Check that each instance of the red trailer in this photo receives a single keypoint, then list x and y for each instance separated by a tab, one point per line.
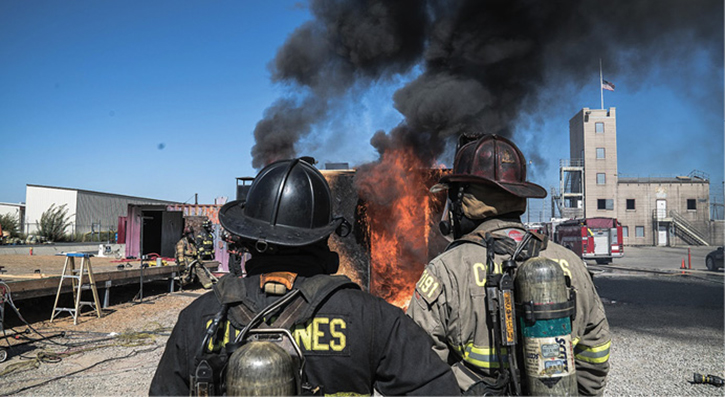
592	238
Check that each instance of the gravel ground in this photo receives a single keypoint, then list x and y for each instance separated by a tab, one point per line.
664	328
112	355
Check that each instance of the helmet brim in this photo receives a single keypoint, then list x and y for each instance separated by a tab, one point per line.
523	189
233	219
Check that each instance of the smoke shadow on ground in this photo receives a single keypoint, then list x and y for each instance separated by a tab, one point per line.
663	306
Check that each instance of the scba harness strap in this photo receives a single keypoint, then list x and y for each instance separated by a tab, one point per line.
529	246
296	307
500	307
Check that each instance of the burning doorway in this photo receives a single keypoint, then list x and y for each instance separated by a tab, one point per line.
395	224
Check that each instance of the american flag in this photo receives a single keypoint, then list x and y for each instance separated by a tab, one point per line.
607	85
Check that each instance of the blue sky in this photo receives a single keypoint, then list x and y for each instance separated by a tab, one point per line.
159	99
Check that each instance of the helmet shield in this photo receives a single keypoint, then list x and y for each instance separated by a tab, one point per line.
493	160
289	204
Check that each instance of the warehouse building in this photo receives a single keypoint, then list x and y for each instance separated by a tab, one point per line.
17	211
87	211
652	210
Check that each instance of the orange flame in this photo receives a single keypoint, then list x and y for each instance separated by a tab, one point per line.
399	207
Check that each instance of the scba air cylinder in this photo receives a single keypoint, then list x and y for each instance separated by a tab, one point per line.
545	309
261	369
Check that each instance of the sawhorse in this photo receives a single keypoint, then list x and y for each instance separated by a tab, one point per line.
69	271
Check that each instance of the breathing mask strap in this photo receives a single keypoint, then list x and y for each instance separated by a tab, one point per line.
458	213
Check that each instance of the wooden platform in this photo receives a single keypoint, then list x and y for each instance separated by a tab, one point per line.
31	285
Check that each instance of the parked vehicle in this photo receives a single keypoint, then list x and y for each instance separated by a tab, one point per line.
714	259
599	239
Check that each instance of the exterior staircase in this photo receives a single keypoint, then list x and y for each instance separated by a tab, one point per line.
686	230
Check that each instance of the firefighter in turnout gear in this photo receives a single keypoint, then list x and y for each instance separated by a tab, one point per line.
185	254
191	268
349	342
205	241
487	192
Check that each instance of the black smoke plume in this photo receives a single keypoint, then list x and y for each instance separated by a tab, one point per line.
484	63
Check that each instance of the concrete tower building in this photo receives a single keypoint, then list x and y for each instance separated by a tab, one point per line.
653	210
593	140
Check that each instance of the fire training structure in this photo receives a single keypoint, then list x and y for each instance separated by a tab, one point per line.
395	220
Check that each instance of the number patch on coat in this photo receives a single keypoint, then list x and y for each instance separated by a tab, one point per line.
428	287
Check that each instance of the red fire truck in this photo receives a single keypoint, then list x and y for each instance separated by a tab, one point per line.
592	238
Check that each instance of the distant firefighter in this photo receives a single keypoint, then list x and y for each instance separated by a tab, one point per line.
205	241
186	253
190	266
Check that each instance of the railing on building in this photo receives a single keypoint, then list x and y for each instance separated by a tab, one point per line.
677	222
699	175
566	163
694	176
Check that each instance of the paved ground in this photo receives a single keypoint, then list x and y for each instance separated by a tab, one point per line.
664	258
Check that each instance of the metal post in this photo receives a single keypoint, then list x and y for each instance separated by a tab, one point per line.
601	82
140	292
107	294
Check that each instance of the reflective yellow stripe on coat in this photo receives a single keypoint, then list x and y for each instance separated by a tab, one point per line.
482	357
596	355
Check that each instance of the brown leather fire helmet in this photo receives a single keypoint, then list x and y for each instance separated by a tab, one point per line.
493	160
488	179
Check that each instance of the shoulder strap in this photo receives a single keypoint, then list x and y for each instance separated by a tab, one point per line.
529	246
313	292
317	289
473	239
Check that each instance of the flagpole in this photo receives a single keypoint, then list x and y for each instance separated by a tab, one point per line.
601	83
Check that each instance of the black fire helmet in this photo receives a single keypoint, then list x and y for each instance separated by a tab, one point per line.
288	204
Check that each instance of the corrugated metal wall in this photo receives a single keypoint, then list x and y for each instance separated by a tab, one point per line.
39	198
87	210
16	211
101	211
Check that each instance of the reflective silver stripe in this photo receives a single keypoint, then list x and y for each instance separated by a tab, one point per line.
483	357
597	355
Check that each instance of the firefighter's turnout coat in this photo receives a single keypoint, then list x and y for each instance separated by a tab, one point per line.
185	253
449	303
352	341
205	244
